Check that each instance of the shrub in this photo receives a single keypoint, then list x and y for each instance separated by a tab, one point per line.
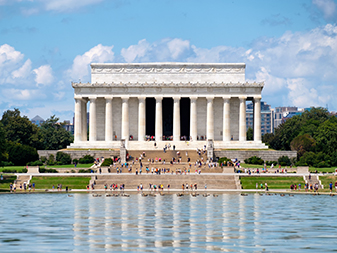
43	170
75	161
8	171
7	164
73	171
86	159
36	163
43	159
51	160
63	158
107	162
284	161
84	171
224	160
254	160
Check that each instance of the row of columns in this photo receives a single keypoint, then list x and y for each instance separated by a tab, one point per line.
80	130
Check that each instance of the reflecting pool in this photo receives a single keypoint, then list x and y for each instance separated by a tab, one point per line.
230	222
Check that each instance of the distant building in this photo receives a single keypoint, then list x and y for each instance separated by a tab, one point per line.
282	112
68	126
37	120
267	116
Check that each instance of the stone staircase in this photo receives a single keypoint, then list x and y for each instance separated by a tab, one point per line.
314	179
215	181
22	179
168	155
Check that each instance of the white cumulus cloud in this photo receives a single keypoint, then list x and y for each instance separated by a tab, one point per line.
44	75
81	64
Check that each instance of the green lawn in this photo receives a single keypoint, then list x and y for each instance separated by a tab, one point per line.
321	170
4	184
273	182
71	182
326	181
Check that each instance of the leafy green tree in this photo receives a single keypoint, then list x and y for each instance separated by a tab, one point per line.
19	129
302	144
250	134
267	138
326	136
21	154
3	146
54	136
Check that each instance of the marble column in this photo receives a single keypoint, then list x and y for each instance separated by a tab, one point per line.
141	119
92	120
257	119
242	121
176	119
226	132
78	120
159	119
108	119
84	121
125	118
210	119
193	119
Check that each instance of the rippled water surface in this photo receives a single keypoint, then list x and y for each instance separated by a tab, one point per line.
229	222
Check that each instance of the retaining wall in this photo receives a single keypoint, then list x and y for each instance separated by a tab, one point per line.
266	155
76	154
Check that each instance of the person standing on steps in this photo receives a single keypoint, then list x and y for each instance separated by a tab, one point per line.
205	187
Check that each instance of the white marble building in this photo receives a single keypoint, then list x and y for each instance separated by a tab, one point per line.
196	101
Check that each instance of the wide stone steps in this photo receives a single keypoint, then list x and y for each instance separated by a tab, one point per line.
168	155
175	181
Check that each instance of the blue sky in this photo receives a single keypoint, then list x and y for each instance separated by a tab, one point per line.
46	44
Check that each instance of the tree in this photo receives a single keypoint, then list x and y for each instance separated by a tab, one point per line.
302	144
54	136
20	129
250	134
326	136
3	146
21	154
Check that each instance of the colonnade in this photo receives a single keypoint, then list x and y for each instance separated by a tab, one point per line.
80	128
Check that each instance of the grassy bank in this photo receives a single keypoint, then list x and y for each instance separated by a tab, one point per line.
273	182
71	182
4	184
326	181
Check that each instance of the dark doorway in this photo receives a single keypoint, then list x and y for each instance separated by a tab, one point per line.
167	117
185	117
150	116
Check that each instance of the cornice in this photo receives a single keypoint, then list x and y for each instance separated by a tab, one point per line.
167	68
164	85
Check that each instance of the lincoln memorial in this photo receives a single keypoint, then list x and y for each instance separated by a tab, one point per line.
149	105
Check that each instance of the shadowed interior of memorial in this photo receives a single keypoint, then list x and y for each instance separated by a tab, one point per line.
185	117
150	116
167	117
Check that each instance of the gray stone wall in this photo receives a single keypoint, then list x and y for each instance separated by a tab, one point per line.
76	154
266	155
